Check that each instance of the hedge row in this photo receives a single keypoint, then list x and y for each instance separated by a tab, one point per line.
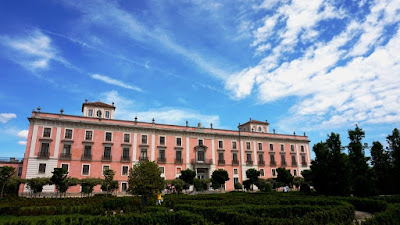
390	216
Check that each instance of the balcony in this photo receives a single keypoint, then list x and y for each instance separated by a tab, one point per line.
304	164
205	162
161	160
249	162
283	163
273	163
235	162
43	155
143	159
178	161
86	157
106	158
294	163
125	158
221	162
261	163
66	156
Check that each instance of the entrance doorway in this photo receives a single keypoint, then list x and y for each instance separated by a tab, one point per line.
202	173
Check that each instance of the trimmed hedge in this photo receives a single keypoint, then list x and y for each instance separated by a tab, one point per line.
390	216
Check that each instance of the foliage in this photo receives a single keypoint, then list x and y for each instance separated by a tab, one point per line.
381	168
36	184
6	172
252	176
238	186
61	180
284	176
109	184
200	184
187	176
297	181
178	184
145	179
264	185
88	185
218	178
393	141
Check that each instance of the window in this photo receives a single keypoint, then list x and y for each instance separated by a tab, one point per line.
67	149
261	158
272	158
65	166
234	145
107	114
107	152
248	157
161	168
89	135
293	160
90	113
259	129
124	186
303	159
162	140
235	171
162	154
262	172
283	160
98	114
260	146
282	148
294	172
47	132
144	139
42	168
45	148
19	171
127	138
200	156
108	136
292	148
273	172
125	153
105	167
220	156
248	145
125	170
178	156
220	144
178	141
178	170
201	142
302	148
235	180
143	154
68	133
271	147
234	157
88	150
85	169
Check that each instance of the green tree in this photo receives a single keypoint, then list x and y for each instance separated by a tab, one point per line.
252	176
88	185
145	180
109	184
393	141
178	184
6	172
380	160
187	176
264	185
218	178
200	184
284	176
60	180
238	186
359	169
36	184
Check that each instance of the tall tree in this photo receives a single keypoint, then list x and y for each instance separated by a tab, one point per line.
381	168
109	184
218	178
6	172
187	176
359	169
320	168
284	176
60	180
88	185
252	176
393	141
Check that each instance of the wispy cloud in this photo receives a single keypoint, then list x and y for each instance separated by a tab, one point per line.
5	117
23	134
115	82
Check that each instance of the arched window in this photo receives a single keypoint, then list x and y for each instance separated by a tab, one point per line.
259	129
98	113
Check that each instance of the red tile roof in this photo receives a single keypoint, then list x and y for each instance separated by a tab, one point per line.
98	104
255	121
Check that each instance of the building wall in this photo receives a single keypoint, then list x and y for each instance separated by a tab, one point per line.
190	136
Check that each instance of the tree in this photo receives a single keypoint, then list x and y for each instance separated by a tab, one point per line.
394	149
145	180
6	172
359	169
252	176
381	168
200	184
36	184
88	185
187	176
109	184
284	176
238	186
60	180
218	178
264	185
178	184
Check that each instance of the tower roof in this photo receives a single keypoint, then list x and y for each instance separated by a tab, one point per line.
98	104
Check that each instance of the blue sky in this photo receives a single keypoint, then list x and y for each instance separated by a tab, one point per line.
305	66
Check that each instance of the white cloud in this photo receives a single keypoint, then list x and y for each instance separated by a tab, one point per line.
23	134
115	82
22	142
128	109
5	117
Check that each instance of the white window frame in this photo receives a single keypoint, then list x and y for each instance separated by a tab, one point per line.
294	149
176	141
105	114
263	173
92	135
123	138
45	168
159	140
51	131
147	139
122	170
69	166
232	144
249	145
176	171
65	132
272	172
273	147
102	168
237	171
258	146
304	149
124	182
280	147
198	141
105	136
86	175
92	112
163	173
222	141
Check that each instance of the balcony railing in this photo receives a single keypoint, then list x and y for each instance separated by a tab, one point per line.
65	156
161	160
143	159
235	162
283	163
273	163
106	158
261	163
294	163
304	163
221	162
44	155
125	158
178	161
86	157
249	162
206	161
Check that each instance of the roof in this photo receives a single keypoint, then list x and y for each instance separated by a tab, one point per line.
255	121
98	104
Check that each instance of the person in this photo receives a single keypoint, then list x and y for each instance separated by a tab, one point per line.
159	199
285	189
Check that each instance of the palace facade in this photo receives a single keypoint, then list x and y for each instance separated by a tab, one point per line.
88	144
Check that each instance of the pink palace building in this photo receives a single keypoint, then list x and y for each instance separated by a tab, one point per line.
88	144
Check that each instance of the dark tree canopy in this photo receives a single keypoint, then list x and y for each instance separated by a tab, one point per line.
187	176
218	178
36	184
381	168
6	172
145	179
109	184
60	180
252	176
88	185
393	141
284	176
